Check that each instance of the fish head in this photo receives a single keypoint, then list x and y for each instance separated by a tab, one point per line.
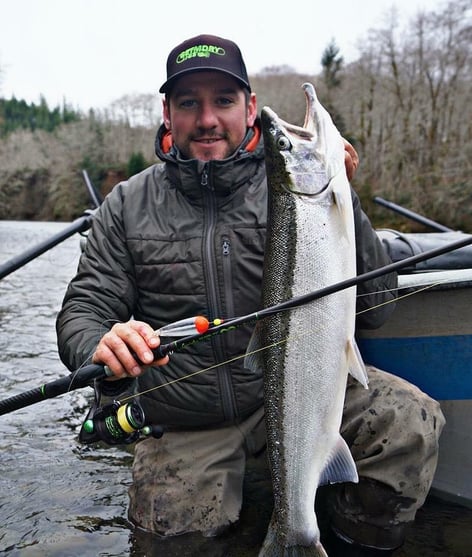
302	159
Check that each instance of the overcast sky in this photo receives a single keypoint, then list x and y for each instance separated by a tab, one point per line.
91	52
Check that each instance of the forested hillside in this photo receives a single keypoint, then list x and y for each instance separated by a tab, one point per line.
405	103
18	114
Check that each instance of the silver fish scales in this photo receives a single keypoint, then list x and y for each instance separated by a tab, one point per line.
311	349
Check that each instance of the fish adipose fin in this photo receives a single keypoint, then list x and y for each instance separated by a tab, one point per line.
340	467
356	364
272	547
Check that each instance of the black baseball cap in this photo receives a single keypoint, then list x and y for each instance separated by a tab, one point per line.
205	52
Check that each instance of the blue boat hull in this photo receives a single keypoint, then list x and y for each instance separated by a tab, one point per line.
428	341
435	364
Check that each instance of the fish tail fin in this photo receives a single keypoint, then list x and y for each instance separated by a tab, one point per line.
356	364
340	466
273	548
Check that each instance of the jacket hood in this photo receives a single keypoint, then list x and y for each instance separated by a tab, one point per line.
220	176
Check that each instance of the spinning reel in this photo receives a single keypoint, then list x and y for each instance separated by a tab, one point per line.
117	424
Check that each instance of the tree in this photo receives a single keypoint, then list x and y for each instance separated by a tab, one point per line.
18	114
332	64
410	97
136	163
136	110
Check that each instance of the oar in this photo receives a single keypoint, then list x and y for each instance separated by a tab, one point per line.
78	225
94	194
412	215
82	377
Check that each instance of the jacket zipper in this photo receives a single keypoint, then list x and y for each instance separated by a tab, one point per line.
224	373
227	276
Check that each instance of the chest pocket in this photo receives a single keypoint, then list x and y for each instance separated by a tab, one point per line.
168	277
244	248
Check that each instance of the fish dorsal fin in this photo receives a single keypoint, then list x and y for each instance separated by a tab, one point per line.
340	466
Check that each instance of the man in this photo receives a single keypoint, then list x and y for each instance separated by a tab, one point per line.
185	238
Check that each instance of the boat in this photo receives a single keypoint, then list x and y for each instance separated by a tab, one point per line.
428	341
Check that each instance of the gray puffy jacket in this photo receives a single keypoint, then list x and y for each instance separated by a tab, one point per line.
180	239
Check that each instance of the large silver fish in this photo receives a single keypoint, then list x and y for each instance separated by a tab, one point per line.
309	350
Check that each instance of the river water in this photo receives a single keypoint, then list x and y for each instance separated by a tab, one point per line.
58	498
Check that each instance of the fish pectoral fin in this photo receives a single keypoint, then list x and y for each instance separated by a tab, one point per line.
341	204
340	466
356	364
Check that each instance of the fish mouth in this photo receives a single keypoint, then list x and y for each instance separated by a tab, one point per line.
299	147
305	132
313	154
274	122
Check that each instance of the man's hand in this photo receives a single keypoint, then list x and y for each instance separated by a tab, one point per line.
351	159
117	348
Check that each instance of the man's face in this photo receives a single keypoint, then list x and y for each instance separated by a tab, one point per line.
208	115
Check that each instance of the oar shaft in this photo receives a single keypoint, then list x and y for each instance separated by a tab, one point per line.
95	196
78	225
412	215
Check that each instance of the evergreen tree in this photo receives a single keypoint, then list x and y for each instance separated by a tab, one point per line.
18	114
332	64
136	163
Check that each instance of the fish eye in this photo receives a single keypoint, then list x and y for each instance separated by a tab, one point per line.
283	143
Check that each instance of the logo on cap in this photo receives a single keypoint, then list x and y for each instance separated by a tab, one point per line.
201	50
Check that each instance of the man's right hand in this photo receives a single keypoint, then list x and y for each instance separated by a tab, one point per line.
126	349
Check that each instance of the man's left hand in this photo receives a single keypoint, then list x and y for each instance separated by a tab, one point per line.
351	159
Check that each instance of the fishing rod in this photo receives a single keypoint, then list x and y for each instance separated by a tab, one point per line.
180	344
412	215
84	376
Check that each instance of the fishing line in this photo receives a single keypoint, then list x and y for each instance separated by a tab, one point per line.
101	331
280	342
89	373
416	290
180	344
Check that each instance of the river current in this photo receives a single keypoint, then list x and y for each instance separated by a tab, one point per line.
56	497
59	498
